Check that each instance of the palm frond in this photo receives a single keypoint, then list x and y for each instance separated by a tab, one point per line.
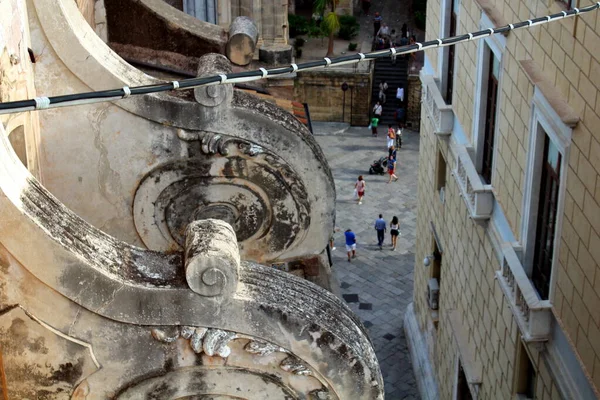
331	22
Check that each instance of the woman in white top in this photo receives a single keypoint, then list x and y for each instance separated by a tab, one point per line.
394	231
360	186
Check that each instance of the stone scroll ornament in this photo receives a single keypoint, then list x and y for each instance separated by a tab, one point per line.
284	376
236	181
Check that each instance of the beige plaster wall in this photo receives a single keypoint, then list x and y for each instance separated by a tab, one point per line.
565	52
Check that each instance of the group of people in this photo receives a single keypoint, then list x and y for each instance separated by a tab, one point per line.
381	227
385	37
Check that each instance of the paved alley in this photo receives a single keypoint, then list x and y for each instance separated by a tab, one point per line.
378	284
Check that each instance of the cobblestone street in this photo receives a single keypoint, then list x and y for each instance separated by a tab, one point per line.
378	284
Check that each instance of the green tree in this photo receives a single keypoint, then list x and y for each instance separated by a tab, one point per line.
331	21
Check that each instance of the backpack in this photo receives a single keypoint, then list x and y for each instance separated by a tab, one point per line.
392	134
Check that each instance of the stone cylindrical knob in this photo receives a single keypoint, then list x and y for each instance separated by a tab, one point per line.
243	35
212	258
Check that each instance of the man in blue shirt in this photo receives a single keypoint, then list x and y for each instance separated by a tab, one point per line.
350	243
380	227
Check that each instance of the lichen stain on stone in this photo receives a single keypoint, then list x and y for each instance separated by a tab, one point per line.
20	341
69	372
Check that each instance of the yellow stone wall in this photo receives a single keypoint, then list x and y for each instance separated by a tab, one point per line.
568	52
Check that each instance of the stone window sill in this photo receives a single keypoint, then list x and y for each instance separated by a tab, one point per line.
494	14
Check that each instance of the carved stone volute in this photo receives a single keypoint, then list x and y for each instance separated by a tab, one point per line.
212	258
214	95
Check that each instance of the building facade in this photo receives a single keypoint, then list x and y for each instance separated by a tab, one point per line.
507	280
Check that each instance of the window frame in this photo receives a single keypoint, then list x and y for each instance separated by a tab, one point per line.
496	44
544	116
448	7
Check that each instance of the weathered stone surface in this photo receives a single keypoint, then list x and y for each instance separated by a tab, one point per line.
40	362
130	310
243	35
133	140
212	258
276	54
156	25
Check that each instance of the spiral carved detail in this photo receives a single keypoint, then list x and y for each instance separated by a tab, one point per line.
242	183
212	258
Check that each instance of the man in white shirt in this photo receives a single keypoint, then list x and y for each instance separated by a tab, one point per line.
378	110
384	31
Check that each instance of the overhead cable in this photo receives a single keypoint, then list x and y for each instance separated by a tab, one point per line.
40	103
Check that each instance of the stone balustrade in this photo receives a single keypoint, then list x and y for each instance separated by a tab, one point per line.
533	315
477	195
437	110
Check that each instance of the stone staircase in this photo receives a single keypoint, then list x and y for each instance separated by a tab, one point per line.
395	75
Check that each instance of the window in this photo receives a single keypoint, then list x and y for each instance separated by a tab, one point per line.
545	183
462	386
441	175
569	4
451	52
546	218
490	117
487	99
525	376
448	28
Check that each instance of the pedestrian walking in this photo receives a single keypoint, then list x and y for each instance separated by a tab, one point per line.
391	136
400	93
400	114
394	231
350	244
380	227
404	30
376	24
383	87
399	137
391	164
332	238
392	152
384	31
360	187
378	110
373	125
